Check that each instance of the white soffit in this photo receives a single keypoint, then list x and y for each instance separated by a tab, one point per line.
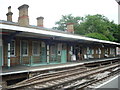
53	33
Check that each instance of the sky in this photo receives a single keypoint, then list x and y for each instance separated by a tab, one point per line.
52	10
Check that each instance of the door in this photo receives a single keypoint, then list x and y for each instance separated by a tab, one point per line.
53	53
25	59
64	56
43	55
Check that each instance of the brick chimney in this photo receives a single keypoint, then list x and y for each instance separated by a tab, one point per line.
70	27
9	14
23	19
40	21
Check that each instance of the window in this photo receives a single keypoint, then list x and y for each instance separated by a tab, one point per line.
112	51
106	50
52	49
59	48
24	48
36	48
92	51
12	48
88	51
98	51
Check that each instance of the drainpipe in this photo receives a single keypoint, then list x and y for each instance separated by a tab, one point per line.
8	54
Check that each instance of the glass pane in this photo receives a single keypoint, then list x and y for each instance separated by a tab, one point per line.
36	48
12	48
24	48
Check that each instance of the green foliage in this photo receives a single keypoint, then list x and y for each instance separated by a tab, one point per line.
94	23
97	36
67	19
117	34
97	24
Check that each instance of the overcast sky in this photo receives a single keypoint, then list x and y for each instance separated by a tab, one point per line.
52	10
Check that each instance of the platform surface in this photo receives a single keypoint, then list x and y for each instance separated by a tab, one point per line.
112	83
23	68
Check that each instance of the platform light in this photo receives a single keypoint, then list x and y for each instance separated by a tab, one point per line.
118	1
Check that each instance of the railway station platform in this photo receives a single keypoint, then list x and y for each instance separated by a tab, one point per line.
110	84
28	69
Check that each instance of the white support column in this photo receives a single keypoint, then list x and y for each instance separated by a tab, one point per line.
73	56
9	55
88	52
117	50
48	47
99	50
71	50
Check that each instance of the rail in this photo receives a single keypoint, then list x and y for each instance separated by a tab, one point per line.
55	79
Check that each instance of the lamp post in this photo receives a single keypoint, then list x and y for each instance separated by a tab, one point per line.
118	1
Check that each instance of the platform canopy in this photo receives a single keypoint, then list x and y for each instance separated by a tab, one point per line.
55	35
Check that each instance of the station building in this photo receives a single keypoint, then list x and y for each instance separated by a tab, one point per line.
24	44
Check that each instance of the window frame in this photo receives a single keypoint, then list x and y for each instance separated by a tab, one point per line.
112	51
14	49
38	48
98	51
92	51
27	48
106	51
88	51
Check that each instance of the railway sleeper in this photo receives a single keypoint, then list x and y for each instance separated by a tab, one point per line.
80	85
59	83
63	82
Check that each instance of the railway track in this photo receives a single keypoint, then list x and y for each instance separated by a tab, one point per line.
59	79
90	82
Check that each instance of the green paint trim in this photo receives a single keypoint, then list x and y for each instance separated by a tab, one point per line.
42	64
63	56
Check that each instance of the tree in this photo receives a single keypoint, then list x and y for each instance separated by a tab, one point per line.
96	25
67	19
97	36
116	34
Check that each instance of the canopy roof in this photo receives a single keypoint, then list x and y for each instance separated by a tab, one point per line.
34	31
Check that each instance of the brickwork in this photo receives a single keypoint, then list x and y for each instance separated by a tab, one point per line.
40	21
9	14
15	60
23	19
70	28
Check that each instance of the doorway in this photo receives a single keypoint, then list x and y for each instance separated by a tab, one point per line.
53	53
78	53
